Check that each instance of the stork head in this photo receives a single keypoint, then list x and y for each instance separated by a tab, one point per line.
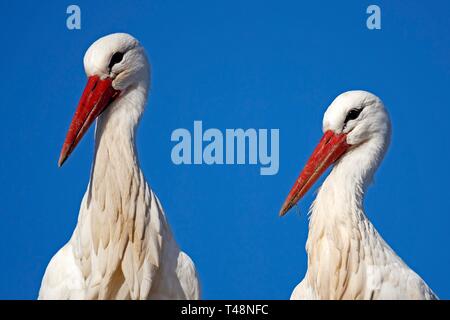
354	119
113	64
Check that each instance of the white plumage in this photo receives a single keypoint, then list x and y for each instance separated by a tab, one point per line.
347	257
122	246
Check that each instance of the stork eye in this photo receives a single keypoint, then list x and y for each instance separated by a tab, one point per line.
352	115
116	58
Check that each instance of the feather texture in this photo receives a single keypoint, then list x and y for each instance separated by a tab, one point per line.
122	246
347	257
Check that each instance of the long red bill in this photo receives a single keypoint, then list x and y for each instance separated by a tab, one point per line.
330	148
97	96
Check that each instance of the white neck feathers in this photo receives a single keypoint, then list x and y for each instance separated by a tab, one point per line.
118	205
339	231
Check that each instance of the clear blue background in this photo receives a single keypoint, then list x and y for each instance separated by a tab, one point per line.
231	64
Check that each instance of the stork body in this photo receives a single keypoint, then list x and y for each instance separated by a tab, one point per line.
347	257
122	246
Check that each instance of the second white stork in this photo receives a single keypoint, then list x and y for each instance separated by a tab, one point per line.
347	257
122	246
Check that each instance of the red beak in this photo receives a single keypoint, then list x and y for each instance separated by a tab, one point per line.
330	148
97	96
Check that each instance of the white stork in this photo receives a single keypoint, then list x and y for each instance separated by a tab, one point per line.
122	246
347	257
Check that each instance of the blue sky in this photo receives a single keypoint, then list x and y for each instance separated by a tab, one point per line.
231	64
